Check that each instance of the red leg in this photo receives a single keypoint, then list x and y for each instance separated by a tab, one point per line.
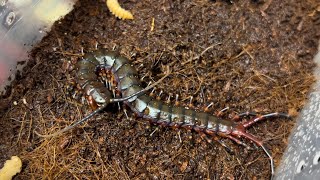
238	141
241	115
215	138
260	118
241	133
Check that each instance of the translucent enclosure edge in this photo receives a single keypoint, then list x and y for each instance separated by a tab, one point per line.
23	23
302	157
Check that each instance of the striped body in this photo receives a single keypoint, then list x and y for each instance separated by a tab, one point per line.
144	106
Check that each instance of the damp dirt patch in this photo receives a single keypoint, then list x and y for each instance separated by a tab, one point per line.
245	55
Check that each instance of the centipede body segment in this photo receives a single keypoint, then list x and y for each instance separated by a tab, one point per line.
156	111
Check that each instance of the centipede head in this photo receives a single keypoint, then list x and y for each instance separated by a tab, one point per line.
97	94
93	104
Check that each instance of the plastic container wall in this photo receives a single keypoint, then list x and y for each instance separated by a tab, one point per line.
302	157
22	24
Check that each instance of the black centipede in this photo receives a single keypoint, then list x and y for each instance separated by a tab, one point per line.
156	111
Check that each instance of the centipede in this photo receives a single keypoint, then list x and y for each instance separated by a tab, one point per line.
154	110
117	10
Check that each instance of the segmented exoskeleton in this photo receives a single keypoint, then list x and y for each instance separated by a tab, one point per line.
117	10
155	110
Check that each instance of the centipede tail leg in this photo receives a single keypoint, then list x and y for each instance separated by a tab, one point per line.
260	118
238	141
260	144
240	131
241	115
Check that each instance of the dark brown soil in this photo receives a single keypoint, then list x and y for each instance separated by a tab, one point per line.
246	55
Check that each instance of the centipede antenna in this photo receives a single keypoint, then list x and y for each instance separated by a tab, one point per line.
102	107
141	91
75	123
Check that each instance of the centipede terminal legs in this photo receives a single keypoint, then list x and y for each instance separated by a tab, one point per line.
241	131
259	118
238	117
100	108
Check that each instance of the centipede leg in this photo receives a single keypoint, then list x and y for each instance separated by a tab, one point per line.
243	126
241	115
238	141
220	113
257	142
227	148
216	139
260	118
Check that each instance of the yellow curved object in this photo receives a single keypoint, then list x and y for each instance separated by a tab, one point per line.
117	10
11	167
